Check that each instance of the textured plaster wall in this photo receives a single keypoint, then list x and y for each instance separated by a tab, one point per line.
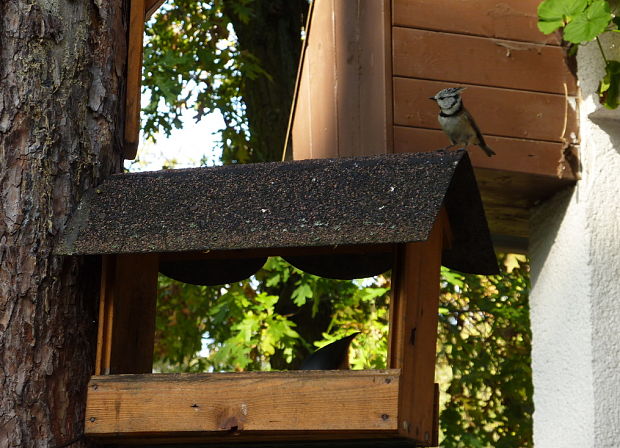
575	300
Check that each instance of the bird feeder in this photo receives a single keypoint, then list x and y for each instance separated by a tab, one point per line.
411	212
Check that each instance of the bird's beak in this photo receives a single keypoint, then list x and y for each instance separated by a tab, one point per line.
432	98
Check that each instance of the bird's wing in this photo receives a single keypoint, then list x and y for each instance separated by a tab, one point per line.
476	130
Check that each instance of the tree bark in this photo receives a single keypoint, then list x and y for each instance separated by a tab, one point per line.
62	66
273	35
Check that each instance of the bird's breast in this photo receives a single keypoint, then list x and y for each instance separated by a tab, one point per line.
458	128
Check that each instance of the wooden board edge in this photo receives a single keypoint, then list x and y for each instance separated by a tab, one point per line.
132	406
134	79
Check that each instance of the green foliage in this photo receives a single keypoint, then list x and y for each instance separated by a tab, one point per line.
240	328
192	61
609	88
484	359
582	21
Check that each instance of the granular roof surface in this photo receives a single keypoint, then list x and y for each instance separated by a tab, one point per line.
392	198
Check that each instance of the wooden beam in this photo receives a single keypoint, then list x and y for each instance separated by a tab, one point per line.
413	332
342	103
134	78
127	314
150	6
302	404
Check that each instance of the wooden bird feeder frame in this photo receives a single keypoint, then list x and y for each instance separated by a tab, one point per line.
419	210
422	210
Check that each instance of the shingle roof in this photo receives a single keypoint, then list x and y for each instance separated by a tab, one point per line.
392	198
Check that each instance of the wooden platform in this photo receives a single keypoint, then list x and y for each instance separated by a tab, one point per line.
229	406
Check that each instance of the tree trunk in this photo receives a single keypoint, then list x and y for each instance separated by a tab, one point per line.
62	66
273	35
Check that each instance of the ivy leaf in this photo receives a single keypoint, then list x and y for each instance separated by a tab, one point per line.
609	88
589	24
553	14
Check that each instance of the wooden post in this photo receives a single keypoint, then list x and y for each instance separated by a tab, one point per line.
127	314
134	78
413	332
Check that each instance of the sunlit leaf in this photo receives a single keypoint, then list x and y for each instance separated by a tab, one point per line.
589	24
553	14
609	87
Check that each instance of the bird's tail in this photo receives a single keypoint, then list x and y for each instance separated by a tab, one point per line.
488	151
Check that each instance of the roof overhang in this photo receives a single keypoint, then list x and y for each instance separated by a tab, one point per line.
384	199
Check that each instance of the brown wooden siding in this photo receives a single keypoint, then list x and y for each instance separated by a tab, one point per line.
480	60
498	112
513	20
518	89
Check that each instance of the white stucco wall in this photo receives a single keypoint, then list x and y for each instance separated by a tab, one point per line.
575	299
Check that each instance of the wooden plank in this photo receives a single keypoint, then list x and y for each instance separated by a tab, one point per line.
150	6
106	314
362	89
127	314
508	19
348	96
301	126
375	82
482	61
134	78
252	403
508	197
343	107
435	435
499	112
513	155
321	57
413	332
518	189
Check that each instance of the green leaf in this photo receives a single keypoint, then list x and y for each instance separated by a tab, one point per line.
301	293
553	14
609	88
589	24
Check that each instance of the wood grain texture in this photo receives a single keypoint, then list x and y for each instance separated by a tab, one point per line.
248	402
508	19
512	154
321	59
413	332
343	103
478	60
301	126
499	112
134	78
127	314
508	198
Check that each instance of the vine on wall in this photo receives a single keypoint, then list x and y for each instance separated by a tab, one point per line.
582	21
